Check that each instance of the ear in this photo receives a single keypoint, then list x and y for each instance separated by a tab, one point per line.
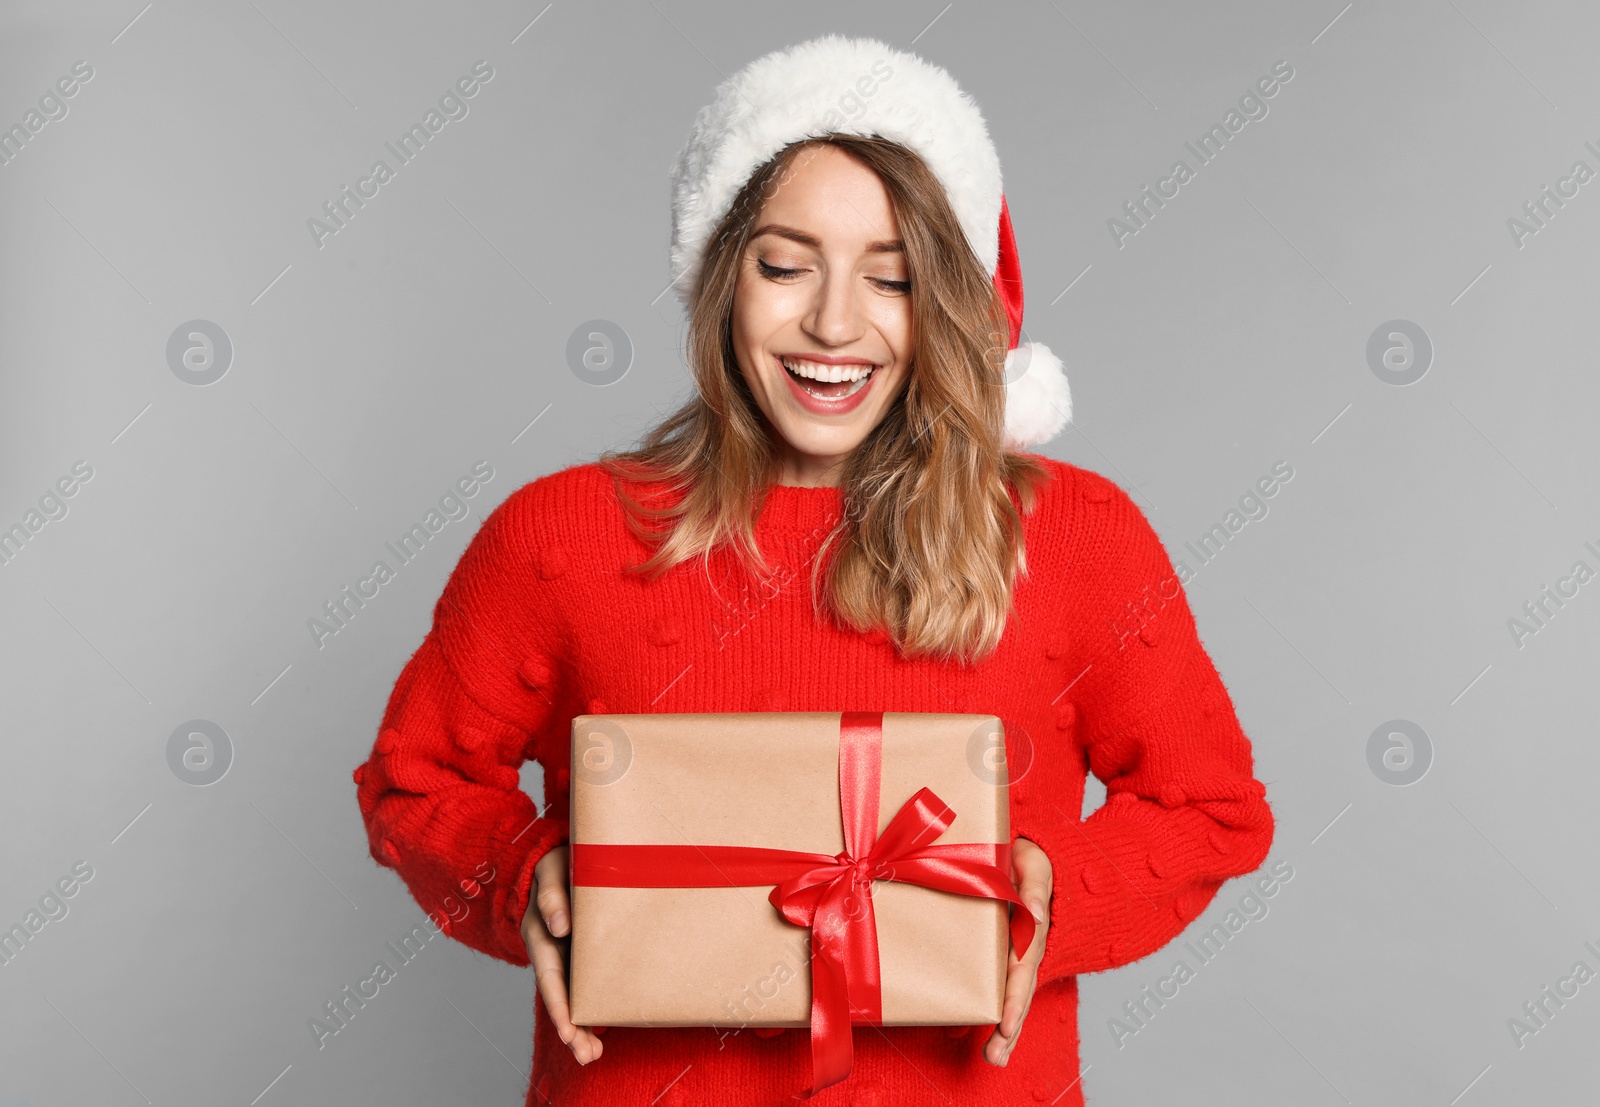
1038	401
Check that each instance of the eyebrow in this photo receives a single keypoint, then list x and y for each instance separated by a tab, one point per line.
886	246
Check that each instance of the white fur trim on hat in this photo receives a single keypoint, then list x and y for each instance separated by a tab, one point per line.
851	85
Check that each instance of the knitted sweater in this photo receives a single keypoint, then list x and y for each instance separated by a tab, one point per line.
1100	669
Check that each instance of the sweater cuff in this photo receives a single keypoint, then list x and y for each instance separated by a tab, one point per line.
535	840
1092	902
1128	879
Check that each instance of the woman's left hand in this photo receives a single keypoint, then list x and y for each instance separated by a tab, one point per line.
1035	881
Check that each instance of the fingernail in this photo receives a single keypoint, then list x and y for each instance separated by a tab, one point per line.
1037	909
558	922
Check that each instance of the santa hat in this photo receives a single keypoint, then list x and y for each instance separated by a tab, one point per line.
864	87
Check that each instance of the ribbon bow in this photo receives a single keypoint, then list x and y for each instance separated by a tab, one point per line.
832	894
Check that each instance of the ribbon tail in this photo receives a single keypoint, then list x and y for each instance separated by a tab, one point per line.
863	973
832	1044
956	868
1023	929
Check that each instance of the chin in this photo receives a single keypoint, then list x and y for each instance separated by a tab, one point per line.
815	441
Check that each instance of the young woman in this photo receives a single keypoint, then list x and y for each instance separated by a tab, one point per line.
841	518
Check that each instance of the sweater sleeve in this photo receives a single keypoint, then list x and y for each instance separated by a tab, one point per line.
1149	714
440	794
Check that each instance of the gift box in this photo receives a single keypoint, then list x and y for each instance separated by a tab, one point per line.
794	869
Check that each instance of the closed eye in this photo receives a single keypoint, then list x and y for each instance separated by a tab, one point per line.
775	272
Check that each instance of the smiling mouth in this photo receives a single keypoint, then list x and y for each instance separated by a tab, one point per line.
829	382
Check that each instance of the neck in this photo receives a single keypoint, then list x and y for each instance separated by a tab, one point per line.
797	470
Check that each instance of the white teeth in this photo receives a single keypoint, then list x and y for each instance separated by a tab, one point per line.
827	373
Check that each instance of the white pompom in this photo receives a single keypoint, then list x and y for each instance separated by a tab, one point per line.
1038	401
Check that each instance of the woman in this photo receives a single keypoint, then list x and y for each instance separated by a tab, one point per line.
839	519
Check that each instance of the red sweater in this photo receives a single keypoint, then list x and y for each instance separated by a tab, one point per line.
1100	669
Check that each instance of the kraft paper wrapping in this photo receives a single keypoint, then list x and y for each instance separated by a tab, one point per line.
727	957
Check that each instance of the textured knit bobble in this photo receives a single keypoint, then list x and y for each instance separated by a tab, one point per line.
535	670
666	629
552	562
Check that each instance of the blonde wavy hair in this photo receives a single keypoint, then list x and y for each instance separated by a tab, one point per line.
929	544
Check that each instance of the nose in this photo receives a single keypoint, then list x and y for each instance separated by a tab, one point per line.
835	316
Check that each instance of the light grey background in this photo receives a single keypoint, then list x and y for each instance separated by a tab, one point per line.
430	333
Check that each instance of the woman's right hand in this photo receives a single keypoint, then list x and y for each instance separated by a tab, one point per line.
546	925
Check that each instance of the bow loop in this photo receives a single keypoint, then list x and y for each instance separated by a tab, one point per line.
797	898
920	820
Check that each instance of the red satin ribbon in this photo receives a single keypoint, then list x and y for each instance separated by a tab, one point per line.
832	894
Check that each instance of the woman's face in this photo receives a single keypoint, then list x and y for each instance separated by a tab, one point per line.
822	312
